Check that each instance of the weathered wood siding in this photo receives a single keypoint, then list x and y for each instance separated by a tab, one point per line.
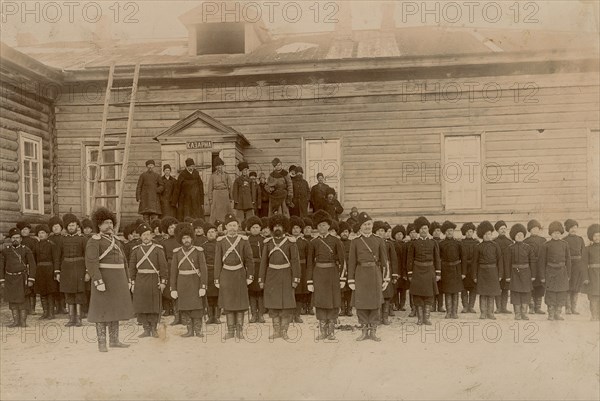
383	127
27	112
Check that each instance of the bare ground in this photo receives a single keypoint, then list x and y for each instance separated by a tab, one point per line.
454	359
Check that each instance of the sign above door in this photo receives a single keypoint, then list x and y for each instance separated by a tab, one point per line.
198	144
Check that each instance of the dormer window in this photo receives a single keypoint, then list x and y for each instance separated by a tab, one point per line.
220	38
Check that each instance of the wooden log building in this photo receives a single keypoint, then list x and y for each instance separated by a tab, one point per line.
455	124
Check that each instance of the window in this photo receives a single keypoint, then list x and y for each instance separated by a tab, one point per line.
323	156
108	172
461	172
32	186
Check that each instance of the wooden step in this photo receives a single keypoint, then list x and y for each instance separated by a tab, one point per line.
109	180
107	196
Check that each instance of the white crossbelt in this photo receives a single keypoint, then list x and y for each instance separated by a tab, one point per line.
283	266
112	265
232	248
236	267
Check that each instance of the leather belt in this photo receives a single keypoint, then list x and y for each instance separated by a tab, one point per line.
75	259
488	266
45	264
423	264
456	262
236	267
556	265
367	264
112	266
187	272
525	266
15	274
146	271
324	265
283	266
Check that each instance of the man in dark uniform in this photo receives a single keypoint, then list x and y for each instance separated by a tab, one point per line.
47	260
412	235
301	194
72	273
244	198
489	269
189	279
576	247
555	263
167	226
56	226
398	234
17	275
212	292
379	228
467	249
279	275
521	263
255	293
422	263
31	243
344	233
435	230
147	193
366	258
591	259
87	228
301	293
234	267
504	242
452	269
324	263
168	184
106	264
318	193
536	241
188	195
148	275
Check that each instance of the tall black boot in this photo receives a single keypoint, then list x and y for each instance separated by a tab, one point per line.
101	333
197	323
448	299
419	313
427	315
217	314
239	325
187	321
113	333
23	313
77	315
32	302
490	308
176	314
385	312
147	329
504	299
297	318
517	309
154	329
454	314
574	296
567	306
285	325
551	312
402	300
211	314
464	298
276	328
373	333
230	317
472	298
413	308
440	303
524	312
44	301
322	330
538	306
557	311
51	301
532	303
253	309
71	321
498	302
483	303
16	318
261	309
331	330
365	333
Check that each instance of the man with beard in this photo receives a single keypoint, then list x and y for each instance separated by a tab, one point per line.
168	184
243	193
280	189
189	279
147	193
110	300
188	195
17	274
280	258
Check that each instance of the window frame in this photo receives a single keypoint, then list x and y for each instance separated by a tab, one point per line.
37	141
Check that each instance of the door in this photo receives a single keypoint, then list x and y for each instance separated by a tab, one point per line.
203	159
324	156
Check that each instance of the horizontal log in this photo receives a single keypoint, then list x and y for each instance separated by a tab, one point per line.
9	196
24	111
9	186
20	118
22	96
8	146
17	126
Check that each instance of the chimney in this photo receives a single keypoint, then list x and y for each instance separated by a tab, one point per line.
388	22
343	26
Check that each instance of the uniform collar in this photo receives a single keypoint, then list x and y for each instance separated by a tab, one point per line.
366	235
323	236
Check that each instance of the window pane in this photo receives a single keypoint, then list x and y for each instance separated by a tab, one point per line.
27	202
35	202
28	149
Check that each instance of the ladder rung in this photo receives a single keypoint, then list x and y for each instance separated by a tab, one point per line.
110	180
116	118
107	196
121	87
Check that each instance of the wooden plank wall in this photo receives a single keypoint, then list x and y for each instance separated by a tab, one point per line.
385	131
27	112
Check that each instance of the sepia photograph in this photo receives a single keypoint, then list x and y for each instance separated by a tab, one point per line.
299	200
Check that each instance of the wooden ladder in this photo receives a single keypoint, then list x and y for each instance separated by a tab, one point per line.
115	140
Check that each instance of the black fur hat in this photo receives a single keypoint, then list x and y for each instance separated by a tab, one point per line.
197	223
87	223
128	230
398	229
209	226
517	228
184	229
483	228
433	226
99	216
155	223
22	224
378	225
499	224
265	222
570	223
593	229
466	227
55	220
533	223
296	221
447	225
279	219
420	222
321	216
69	218
343	226
166	222
41	227
252	220
410	227
556	226
307	221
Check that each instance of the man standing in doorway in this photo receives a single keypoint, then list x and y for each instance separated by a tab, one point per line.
318	193
188	196
147	193
301	194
